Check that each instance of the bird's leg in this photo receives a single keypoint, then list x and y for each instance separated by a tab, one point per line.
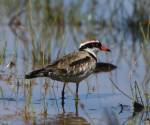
63	90
77	88
76	106
63	95
76	98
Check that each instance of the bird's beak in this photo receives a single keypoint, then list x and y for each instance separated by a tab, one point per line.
103	48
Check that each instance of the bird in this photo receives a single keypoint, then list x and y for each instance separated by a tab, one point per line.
73	67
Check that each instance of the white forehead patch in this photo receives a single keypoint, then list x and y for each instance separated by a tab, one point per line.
91	41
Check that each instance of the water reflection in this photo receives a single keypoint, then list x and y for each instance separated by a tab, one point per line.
45	30
65	119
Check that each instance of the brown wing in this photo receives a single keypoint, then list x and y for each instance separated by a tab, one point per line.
72	63
80	61
65	61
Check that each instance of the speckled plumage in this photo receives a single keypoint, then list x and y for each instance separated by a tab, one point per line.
73	67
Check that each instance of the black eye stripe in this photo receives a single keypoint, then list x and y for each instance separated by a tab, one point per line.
90	45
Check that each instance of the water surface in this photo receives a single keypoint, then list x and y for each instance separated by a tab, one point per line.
33	33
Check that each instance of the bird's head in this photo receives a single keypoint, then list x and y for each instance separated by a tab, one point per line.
93	47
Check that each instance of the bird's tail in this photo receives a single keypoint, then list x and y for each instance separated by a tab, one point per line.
35	73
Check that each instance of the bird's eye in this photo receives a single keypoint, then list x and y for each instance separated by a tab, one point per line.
96	44
93	45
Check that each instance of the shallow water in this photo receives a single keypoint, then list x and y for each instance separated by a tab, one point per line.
42	36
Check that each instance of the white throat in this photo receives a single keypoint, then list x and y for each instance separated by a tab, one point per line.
92	51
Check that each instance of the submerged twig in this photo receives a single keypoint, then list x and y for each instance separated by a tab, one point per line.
137	89
138	107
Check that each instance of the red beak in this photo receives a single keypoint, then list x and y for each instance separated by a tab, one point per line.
103	48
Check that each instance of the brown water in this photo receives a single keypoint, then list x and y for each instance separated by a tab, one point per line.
34	33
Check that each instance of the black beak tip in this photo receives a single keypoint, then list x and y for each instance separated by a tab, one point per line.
109	50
